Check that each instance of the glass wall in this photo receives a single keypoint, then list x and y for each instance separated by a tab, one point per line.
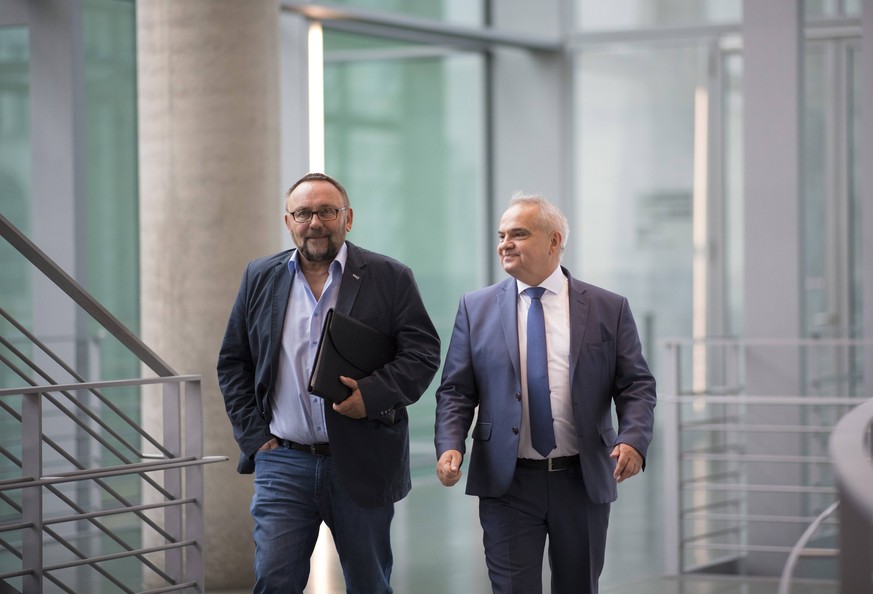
106	231
405	132
634	179
634	225
460	12
660	189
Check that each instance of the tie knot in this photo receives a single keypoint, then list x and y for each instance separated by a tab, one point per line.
535	292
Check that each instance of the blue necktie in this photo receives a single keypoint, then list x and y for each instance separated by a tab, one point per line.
542	433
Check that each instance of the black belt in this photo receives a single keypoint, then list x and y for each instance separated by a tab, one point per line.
319	449
550	464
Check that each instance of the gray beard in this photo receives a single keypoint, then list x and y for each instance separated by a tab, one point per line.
325	255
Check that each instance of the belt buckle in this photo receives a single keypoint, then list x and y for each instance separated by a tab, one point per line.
550	465
312	449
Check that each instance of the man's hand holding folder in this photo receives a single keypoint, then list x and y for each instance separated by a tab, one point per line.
349	348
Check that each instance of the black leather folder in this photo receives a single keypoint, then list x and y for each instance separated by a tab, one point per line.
347	347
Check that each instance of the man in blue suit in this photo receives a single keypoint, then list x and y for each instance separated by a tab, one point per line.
538	471
343	464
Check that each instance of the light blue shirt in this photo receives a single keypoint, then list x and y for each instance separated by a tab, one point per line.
297	414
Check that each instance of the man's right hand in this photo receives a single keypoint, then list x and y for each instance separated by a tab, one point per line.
270	445
449	467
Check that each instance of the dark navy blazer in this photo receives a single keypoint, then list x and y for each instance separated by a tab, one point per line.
371	458
482	369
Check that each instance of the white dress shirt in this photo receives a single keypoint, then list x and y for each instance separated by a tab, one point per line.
556	311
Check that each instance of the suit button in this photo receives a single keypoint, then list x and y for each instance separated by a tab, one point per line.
518	395
515	430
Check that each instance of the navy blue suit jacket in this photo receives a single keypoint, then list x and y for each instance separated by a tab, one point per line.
482	370
371	458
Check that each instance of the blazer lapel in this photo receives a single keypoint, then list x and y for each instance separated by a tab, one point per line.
578	319
281	292
507	305
353	275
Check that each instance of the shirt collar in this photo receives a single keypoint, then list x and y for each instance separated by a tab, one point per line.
552	283
340	260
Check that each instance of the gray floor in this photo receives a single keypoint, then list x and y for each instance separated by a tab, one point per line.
437	549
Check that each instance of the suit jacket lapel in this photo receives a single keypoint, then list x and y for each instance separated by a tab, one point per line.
281	293
578	319
507	297
353	275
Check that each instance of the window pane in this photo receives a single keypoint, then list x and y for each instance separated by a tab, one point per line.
817	223
460	12
817	9
111	182
404	132
15	171
635	142
600	15
856	229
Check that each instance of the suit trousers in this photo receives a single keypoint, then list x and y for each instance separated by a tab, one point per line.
542	504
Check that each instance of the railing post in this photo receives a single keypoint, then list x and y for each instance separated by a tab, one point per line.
31	497
672	462
173	478
193	440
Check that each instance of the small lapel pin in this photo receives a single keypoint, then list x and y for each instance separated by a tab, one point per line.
356	276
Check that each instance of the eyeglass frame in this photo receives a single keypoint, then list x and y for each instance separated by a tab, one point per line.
319	213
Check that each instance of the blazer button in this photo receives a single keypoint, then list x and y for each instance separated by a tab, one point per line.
518	395
515	430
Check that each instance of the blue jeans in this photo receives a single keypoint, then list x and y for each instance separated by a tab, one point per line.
294	493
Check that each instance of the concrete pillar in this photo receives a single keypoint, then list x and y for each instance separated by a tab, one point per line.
209	201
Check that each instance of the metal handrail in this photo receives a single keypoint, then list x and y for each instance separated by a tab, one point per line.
85	300
800	549
713	520
97	475
179	458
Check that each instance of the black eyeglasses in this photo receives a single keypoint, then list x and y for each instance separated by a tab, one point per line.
324	214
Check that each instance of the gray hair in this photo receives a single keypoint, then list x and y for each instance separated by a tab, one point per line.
550	217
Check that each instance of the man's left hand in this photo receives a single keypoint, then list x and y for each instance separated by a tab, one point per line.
629	463
353	406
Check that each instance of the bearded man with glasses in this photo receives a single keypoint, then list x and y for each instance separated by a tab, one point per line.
347	463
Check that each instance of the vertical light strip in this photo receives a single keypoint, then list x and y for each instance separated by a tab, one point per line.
316	97
699	269
700	240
